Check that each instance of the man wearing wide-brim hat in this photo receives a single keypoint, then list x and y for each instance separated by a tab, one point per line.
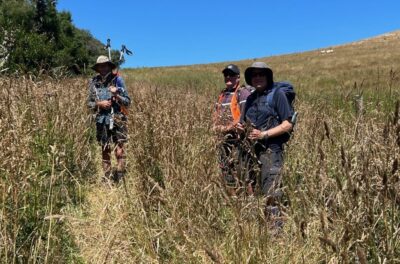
103	62
108	99
270	114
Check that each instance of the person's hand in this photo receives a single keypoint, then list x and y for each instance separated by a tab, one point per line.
104	104
222	128
217	128
228	128
239	128
113	89
257	134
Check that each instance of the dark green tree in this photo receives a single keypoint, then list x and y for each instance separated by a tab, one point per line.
37	37
46	18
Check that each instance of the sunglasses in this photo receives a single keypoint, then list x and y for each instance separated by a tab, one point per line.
230	74
259	74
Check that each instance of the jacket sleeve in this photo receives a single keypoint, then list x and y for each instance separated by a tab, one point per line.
125	99
91	100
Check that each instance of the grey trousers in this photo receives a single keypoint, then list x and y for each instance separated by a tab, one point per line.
270	179
271	184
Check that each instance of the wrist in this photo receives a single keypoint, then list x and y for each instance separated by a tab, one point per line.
117	90
265	135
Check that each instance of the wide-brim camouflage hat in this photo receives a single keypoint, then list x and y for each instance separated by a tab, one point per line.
103	60
260	66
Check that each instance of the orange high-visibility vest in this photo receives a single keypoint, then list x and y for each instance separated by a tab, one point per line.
235	107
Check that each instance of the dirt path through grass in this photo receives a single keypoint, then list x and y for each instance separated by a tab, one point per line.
99	224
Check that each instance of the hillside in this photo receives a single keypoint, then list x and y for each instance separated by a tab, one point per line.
341	175
356	60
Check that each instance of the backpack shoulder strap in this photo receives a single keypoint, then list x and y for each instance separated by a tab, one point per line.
239	91
270	97
95	79
92	86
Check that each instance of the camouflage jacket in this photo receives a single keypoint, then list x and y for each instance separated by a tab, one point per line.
99	91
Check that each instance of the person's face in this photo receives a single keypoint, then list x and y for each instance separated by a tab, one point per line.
259	80
231	79
104	69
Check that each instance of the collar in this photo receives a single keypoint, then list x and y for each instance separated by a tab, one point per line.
231	90
266	91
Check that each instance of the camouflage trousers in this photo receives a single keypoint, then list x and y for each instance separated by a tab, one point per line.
228	154
105	135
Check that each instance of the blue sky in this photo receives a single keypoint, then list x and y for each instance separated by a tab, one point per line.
165	33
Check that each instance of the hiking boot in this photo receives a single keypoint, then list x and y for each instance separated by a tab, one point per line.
274	218
250	189
106	177
117	176
231	191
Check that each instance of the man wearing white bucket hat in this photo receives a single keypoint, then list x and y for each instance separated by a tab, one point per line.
109	99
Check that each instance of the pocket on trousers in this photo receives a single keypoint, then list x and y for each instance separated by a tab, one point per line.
276	159
274	170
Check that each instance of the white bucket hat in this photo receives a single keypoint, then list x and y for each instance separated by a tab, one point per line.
103	60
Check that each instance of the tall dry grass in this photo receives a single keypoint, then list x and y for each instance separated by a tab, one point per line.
44	157
341	183
341	176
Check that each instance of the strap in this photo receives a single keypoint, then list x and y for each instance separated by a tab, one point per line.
116	80
270	97
123	108
270	100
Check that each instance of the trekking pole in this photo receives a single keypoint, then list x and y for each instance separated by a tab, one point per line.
108	47
122	52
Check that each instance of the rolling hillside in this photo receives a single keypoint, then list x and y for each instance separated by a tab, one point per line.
341	176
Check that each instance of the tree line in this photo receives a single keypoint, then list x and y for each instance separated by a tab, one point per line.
35	36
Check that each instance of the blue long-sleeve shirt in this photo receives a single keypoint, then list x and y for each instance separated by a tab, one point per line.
99	91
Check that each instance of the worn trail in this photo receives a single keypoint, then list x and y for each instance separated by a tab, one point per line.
98	226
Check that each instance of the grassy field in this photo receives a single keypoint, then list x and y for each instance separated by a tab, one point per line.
341	176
